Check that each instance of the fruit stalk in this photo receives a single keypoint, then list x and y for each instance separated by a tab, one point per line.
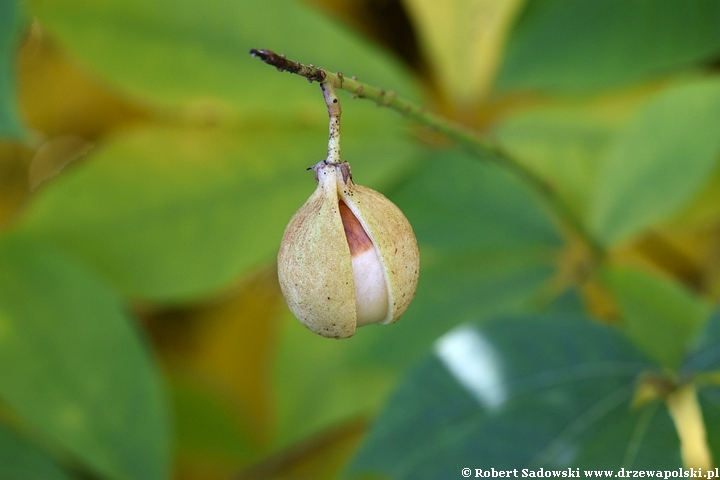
469	139
334	111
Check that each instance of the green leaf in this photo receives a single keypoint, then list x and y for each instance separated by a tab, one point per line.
170	214
20	460
660	316
575	45
485	247
462	202
196	53
565	145
551	393
12	21
704	354
73	366
661	159
569	302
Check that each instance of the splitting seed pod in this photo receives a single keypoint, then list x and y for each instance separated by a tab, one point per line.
348	257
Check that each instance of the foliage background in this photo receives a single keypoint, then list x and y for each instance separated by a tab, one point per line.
148	167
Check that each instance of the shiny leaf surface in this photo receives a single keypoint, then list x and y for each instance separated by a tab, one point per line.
525	393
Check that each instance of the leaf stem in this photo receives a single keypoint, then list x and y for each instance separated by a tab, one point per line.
687	416
469	139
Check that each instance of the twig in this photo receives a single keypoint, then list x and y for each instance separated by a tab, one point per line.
462	135
285	65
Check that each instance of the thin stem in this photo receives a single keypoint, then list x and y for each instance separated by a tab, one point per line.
334	111
462	135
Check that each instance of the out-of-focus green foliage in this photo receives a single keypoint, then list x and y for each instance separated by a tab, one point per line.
185	53
20	460
570	46
565	143
72	364
661	316
660	160
11	23
145	191
201	206
564	403
558	403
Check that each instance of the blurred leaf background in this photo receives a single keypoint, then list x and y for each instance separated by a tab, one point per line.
148	167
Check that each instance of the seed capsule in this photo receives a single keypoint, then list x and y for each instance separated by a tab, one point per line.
348	257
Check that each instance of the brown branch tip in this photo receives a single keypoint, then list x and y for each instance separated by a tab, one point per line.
310	72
